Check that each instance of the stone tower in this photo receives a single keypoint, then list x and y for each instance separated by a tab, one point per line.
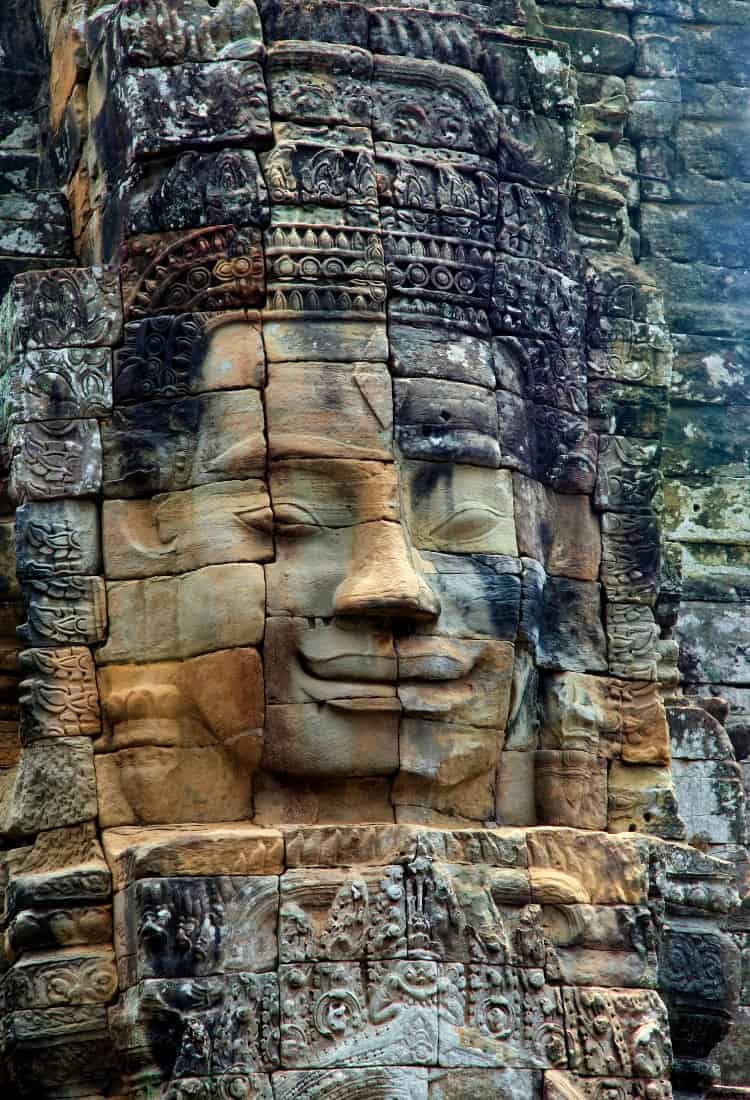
370	618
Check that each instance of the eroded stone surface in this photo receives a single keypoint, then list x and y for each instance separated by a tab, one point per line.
340	540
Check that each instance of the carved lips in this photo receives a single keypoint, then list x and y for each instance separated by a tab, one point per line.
358	681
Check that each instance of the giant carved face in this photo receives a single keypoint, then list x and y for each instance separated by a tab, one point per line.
320	514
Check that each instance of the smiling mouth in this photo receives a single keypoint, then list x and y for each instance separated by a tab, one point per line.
357	682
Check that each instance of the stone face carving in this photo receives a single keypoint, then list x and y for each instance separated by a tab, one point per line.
337	532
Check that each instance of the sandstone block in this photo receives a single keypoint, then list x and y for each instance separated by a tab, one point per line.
163	851
632	637
333	493
524	135
456	680
479	594
424	353
217	607
60	536
297	339
195	190
196	31
53	459
280	799
216	698
700	297
288	19
447	768
336	846
161	446
180	532
67	308
712	638
582	712
639	1014
315	1084
627	475
523	719
166	108
349	410
450	42
642	799
362	996
34	223
544	371
567	867
710	522
159	1000
696	446
630	557
570	788
293	169
342	75
219	268
477	1030
609	945
515	802
421	281
54	786
710	369
569	1086
64	610
328	267
193	927
59	695
190	353
10	587
37	980
457	508
711	800
353	570
598	51
558	530
346	737
529	299
64	863
697	735
546	236
338	914
32	930
154	785
619	408
450	421
320	661
685	236
570	631
631	351
396	77
59	384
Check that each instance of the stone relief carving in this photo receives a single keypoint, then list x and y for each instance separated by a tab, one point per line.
336	530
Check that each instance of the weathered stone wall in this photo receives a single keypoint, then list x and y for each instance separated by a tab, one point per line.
679	74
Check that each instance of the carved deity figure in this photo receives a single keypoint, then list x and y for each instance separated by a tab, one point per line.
337	547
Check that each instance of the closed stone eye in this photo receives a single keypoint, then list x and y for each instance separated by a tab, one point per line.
467	524
294	520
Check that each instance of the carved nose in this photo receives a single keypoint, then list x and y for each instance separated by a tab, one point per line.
382	579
